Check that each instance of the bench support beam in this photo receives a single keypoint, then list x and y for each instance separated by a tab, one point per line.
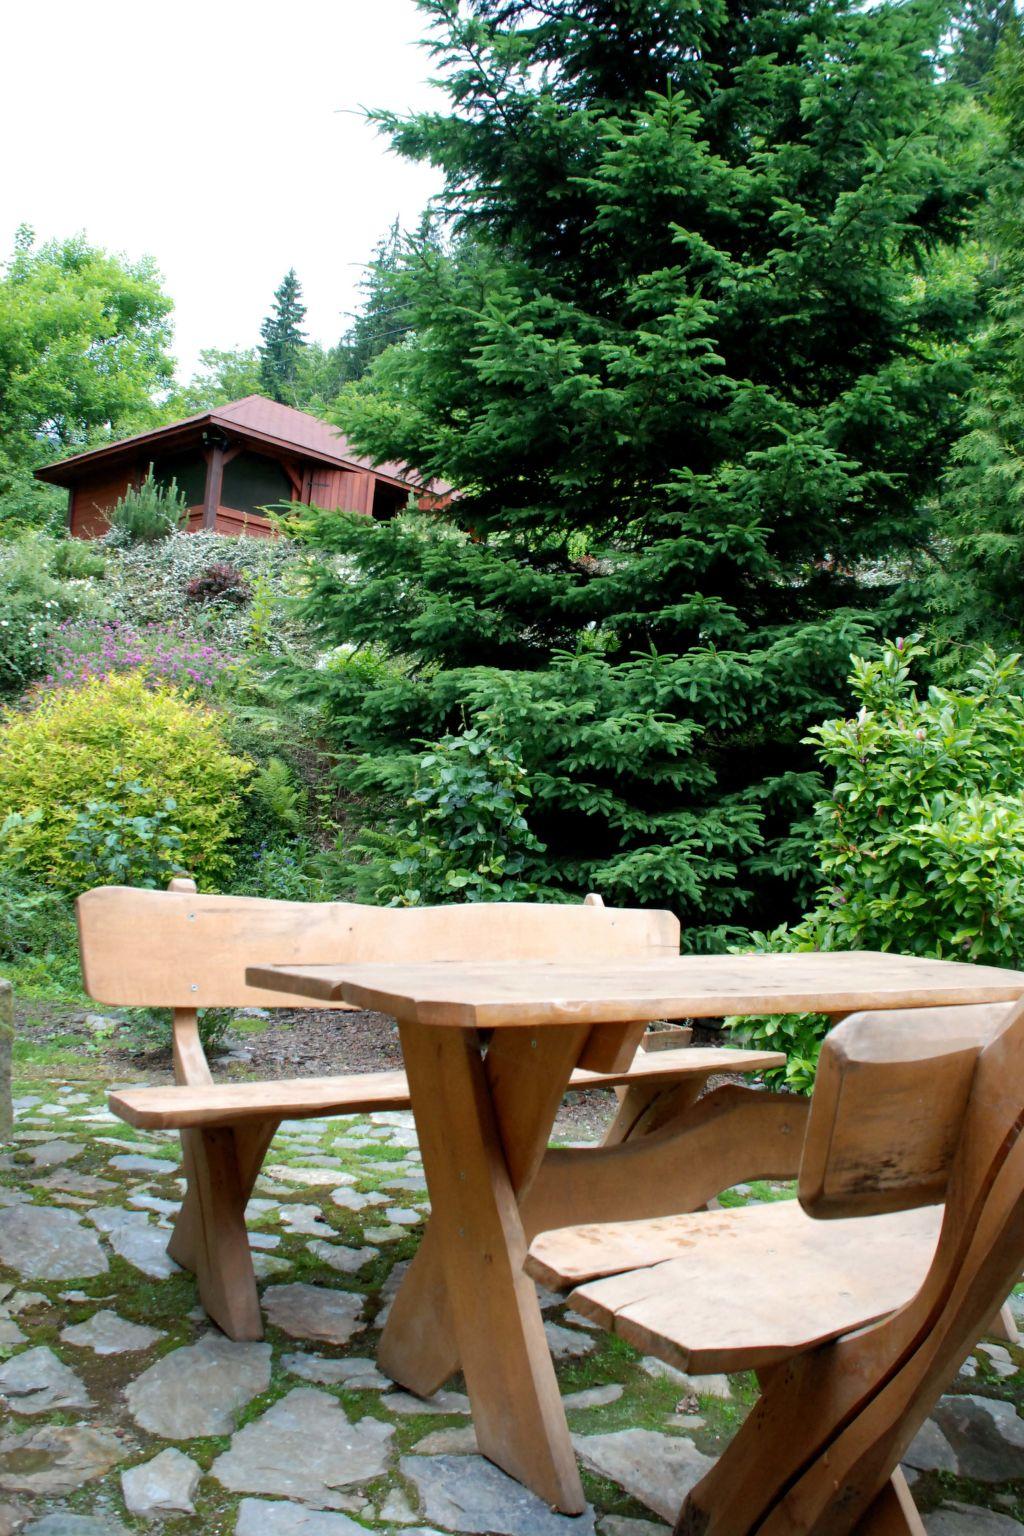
210	1236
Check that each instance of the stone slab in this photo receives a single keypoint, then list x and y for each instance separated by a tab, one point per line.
133	1236
358	1373
164	1485
305	1447
55	1459
36	1381
406	1403
657	1469
43	1243
970	1520
65	1524
273	1517
347	1261
107	1334
467	1493
312	1312
986	1435
197	1390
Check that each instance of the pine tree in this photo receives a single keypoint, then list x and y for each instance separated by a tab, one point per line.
283	339
381	322
690	367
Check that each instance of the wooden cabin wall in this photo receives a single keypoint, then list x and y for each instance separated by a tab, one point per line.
92	501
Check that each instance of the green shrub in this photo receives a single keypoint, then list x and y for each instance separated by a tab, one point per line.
21	900
78	560
290	870
147	512
149	1029
921	840
61	754
127	840
462	835
33	602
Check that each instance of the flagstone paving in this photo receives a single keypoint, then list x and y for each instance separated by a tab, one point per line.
123	1410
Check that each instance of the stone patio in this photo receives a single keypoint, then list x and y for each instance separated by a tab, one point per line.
124	1410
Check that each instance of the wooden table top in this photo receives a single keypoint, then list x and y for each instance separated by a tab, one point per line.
474	995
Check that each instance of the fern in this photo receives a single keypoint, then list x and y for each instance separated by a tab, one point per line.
279	795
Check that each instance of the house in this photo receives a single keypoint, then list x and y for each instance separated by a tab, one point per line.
231	463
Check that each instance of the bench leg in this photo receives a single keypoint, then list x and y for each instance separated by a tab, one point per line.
1004	1326
422	1359
893	1513
646	1107
210	1238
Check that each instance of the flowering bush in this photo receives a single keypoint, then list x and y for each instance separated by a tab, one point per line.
33	601
921	840
58	756
79	651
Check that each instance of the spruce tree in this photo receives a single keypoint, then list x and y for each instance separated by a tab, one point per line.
983	503
283	339
689	366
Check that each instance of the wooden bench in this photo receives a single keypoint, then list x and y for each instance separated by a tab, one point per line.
855	1305
186	951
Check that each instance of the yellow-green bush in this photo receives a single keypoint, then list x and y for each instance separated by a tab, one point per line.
61	754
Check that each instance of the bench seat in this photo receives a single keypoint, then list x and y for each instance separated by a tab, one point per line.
189	1106
738	1289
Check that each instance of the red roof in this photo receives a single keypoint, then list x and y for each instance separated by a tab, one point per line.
255	418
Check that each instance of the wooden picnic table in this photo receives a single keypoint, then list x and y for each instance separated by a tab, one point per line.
484	1121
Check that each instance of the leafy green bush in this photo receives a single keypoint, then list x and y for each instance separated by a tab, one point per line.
125	838
291	870
61	754
147	512
462	836
921	840
20	900
78	560
34	600
149	1029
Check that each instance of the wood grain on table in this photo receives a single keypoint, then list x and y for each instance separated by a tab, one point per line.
524	994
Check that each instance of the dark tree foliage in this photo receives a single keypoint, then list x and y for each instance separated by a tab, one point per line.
979	27
691	368
283	340
984	495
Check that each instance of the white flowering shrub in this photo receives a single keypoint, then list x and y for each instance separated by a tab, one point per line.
34	601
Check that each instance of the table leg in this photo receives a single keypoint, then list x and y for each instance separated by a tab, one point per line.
483	1130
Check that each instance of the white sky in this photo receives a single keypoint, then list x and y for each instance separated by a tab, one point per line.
221	137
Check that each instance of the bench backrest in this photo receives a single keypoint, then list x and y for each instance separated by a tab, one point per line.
888	1109
909	1108
176	949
